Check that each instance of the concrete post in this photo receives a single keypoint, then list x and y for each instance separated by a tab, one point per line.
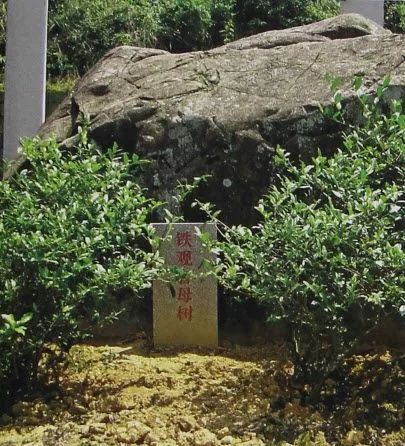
25	73
371	9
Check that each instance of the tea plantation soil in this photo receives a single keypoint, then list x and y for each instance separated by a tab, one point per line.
129	394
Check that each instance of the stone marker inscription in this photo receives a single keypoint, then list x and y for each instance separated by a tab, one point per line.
185	313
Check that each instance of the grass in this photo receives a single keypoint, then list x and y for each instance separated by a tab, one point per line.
60	85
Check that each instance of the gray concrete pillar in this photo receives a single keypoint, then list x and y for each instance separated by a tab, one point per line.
371	9
25	73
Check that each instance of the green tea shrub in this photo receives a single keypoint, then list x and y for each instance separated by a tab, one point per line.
253	16
184	25
74	231
80	32
191	25
317	10
394	16
223	22
328	256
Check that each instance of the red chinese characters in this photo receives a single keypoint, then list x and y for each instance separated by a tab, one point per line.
184	258
185	313
183	239
184	293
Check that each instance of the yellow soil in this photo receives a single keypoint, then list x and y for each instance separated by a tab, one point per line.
117	395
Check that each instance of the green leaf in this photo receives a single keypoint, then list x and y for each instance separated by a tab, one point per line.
337	98
401	121
25	318
386	81
358	83
9	318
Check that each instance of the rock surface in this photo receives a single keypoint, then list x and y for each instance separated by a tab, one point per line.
222	112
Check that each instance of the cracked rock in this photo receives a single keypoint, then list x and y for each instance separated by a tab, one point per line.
222	112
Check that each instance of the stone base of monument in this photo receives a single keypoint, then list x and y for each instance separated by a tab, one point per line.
233	331
129	329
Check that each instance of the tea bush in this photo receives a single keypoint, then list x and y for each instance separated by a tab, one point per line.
253	16
82	31
191	25
73	231
184	25
328	256
394	16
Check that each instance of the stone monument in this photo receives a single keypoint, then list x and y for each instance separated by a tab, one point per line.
185	313
25	72
371	9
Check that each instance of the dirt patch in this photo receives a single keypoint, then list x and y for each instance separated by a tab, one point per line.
129	394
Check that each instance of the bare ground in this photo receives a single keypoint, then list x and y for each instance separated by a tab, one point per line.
130	394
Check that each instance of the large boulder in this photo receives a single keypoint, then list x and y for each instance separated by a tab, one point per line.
223	112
